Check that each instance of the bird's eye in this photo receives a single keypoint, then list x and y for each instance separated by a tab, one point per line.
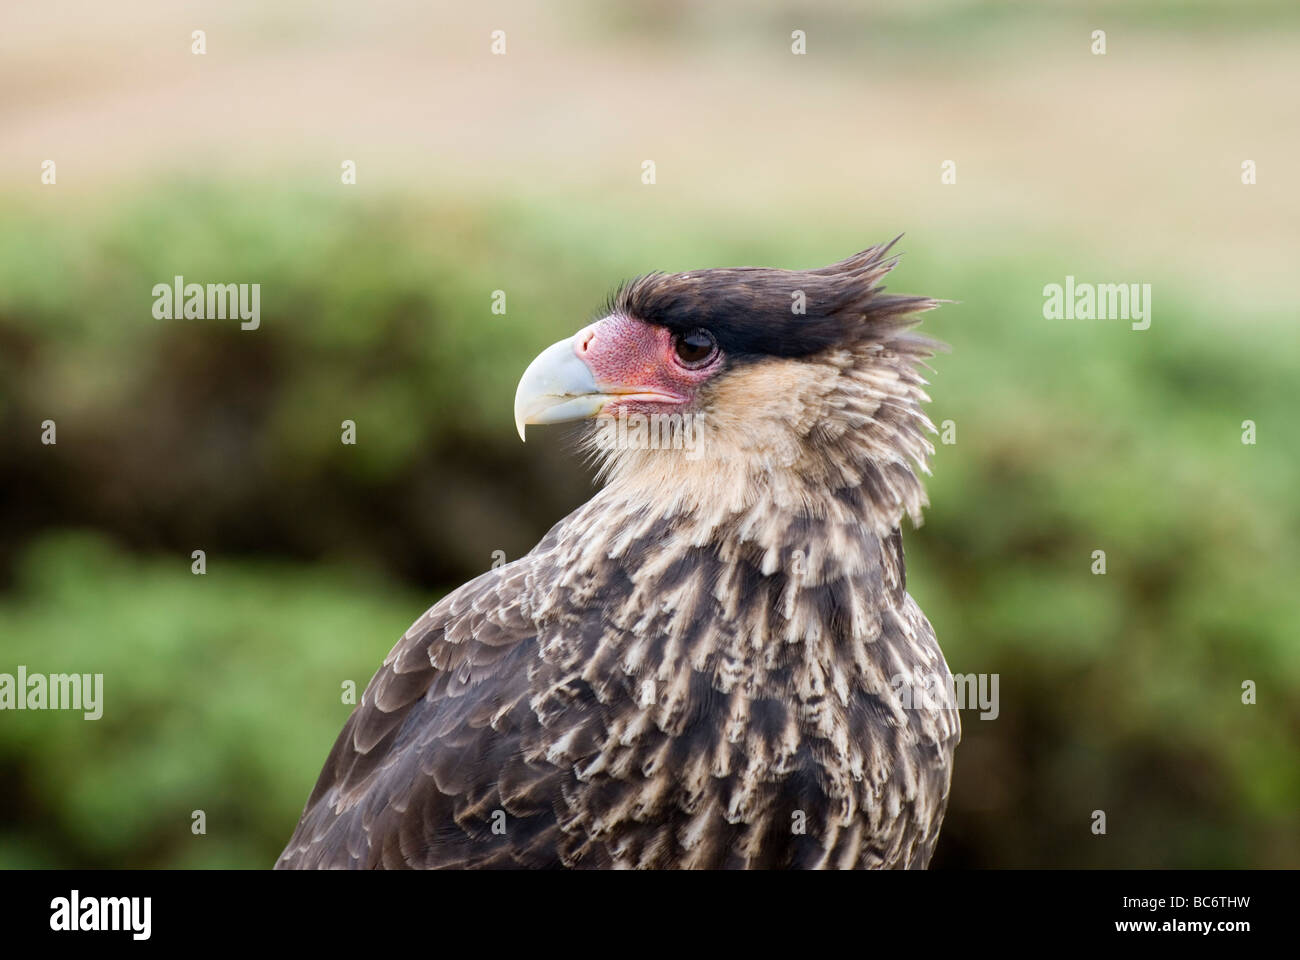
696	348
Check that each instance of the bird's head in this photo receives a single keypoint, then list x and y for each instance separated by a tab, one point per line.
714	389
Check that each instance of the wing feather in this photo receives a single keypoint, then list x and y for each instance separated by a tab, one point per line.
431	759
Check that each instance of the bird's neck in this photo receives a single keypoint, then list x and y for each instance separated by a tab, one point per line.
773	525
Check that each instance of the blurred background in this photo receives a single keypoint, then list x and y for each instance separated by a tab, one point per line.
523	173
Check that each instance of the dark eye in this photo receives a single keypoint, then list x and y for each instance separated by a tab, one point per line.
696	348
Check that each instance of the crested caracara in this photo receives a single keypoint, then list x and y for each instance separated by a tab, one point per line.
714	662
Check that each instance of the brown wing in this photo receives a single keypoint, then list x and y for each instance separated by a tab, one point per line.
432	768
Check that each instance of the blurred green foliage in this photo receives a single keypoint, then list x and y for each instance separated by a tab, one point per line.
219	695
222	693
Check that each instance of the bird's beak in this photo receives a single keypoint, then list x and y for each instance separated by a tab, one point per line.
557	386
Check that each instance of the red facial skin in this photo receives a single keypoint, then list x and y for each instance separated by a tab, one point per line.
640	360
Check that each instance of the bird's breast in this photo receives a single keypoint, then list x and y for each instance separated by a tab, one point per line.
728	698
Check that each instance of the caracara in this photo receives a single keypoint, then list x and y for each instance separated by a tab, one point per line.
713	663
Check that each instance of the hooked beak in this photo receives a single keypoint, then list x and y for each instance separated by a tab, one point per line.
557	386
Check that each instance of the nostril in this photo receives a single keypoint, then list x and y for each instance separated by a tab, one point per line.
589	336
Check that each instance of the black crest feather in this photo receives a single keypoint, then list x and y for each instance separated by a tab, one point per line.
751	310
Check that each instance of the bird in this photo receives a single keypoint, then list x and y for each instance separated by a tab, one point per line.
711	663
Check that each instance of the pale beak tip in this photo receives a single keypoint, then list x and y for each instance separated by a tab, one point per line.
557	386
